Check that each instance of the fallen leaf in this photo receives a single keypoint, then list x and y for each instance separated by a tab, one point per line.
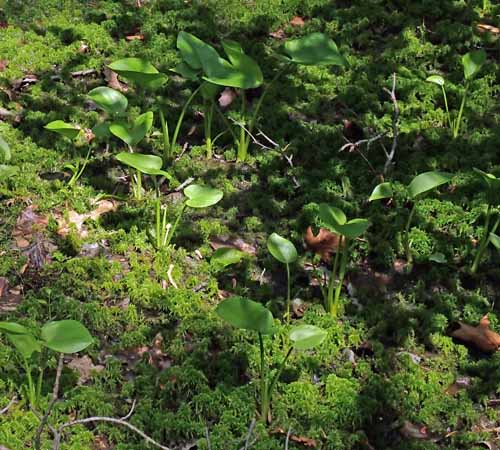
485	28
305	441
135	37
113	82
233	242
297	21
324	244
101	443
226	97
28	223
3	64
278	34
85	367
412	431
157	357
77	220
11	300
481	336
4	285
84	48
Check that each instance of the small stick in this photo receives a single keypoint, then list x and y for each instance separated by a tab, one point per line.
169	275
395	129
184	184
207	435
287	440
55	396
9	405
249	434
184	148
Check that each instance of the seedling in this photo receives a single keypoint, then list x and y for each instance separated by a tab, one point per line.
420	185
336	221
198	196
72	132
493	196
6	171
64	336
249	315
285	252
472	63
150	165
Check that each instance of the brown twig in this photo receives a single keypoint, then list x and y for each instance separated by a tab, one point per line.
55	396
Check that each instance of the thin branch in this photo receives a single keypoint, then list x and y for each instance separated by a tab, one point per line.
287	440
57	440
395	128
248	444
207	436
55	396
132	408
184	184
184	148
9	405
170	278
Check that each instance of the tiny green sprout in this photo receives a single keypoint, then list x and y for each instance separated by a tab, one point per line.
72	132
64	336
285	252
336	221
472	63
249	315
493	197
198	196
420	185
6	171
150	165
226	256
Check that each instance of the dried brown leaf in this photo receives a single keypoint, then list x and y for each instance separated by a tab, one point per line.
28	223
3	64
324	244
135	37
481	336
485	28
297	21
305	441
113	81
278	34
85	367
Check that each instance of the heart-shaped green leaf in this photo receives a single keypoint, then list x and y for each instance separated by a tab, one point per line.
148	164
472	62
282	249
225	256
13	328
305	337
5	154
427	181
331	216
381	191
354	228
25	344
495	240
314	49
109	100
66	336
140	71
202	196
436	79
65	129
247	314
132	136
194	51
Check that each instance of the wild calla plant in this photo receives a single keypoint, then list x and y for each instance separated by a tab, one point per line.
198	196
249	315
489	235
472	63
418	187
285	252
64	336
72	132
336	221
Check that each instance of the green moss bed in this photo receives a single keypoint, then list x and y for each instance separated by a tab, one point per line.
385	377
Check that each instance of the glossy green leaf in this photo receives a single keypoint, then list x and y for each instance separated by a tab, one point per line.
5	154
305	337
202	196
7	171
225	256
282	249
25	344
194	51
140	71
66	336
335	220
63	128
186	71
109	100
247	314
381	191
354	228
436	79
209	90
495	240
331	216
101	130
427	181
148	164
314	49
13	328
135	134
438	258
472	62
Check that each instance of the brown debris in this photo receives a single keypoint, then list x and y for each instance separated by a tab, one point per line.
324	244
85	367
412	431
135	37
113	82
278	34
297	21
305	441
481	336
226	97
27	224
3	64
485	28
